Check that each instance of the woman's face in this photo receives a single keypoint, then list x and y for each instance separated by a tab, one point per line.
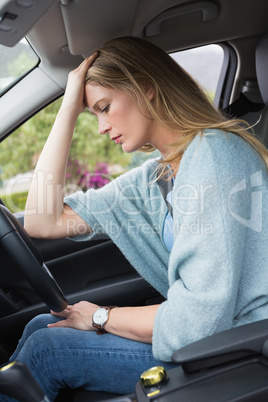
119	117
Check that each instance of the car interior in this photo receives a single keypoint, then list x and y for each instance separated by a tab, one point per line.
230	366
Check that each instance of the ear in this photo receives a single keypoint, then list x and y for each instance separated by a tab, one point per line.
148	90
150	93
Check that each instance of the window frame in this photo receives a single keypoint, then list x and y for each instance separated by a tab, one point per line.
18	79
227	76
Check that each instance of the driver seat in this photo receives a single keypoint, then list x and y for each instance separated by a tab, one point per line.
262	68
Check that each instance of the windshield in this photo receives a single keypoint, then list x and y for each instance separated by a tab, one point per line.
15	63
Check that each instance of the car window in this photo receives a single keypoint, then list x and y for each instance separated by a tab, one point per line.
204	64
15	63
93	161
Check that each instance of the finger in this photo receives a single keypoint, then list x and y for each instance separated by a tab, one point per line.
64	313
93	56
58	324
87	63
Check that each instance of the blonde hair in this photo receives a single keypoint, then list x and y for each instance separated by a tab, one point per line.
133	65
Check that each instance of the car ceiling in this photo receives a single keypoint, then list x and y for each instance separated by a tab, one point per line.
72	29
86	25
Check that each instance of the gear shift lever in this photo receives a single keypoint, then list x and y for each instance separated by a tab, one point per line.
17	381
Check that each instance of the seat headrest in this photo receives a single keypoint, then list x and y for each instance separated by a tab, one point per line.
262	67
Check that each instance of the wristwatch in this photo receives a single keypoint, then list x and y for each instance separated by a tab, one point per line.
100	317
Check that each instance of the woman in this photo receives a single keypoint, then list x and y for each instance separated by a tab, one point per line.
207	255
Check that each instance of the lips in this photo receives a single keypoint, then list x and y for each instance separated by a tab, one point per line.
116	139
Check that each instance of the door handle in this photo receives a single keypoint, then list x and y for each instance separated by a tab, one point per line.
209	12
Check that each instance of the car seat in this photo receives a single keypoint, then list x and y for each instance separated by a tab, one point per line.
252	103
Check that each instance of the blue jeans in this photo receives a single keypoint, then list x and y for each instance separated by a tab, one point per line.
66	357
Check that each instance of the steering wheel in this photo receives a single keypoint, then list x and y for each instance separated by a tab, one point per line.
19	246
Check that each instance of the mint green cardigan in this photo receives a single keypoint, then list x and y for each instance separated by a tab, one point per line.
216	275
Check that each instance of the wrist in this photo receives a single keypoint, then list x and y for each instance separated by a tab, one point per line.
100	318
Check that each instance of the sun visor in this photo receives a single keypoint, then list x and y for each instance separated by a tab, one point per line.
17	17
89	24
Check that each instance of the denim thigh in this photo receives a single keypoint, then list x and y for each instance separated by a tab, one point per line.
66	357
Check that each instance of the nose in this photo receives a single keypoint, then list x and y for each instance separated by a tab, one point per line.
104	127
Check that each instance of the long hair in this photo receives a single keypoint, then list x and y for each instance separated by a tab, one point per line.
133	65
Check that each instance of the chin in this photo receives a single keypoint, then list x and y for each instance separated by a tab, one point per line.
130	149
127	150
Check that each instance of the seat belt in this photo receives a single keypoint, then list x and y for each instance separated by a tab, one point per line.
165	187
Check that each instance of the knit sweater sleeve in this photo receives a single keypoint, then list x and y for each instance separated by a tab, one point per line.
206	260
131	211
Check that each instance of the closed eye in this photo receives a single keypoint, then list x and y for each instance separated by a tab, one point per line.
105	109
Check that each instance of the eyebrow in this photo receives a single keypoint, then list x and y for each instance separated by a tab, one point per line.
96	106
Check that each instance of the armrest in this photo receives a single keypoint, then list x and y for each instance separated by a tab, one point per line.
227	346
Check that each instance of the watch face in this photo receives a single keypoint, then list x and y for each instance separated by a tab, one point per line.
100	316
